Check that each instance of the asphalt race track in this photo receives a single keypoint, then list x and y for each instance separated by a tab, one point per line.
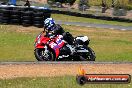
96	25
63	62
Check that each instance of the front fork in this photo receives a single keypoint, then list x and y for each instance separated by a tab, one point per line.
46	49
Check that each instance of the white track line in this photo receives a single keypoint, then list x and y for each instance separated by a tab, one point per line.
65	62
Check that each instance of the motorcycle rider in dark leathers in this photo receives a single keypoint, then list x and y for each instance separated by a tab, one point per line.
52	30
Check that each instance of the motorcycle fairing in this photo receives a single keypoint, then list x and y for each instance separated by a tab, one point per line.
39	44
57	44
82	38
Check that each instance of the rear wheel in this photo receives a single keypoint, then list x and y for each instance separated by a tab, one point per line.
42	56
90	56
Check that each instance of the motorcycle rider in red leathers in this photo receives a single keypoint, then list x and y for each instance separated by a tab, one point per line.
57	44
52	30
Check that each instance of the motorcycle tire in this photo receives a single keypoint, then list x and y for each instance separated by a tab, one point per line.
1	14
26	18
38	18
0	19
15	17
26	24
27	21
38	25
38	14
90	57
6	15
91	54
15	21
5	18
5	21
38	22
15	12
27	13
6	11
40	57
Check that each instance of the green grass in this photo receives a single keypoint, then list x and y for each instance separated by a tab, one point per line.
109	45
54	82
87	20
16	45
17	42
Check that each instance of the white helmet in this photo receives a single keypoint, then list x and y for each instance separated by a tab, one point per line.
49	24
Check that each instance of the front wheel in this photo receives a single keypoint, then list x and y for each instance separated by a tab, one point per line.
41	55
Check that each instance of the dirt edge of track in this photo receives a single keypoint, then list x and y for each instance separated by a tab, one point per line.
9	71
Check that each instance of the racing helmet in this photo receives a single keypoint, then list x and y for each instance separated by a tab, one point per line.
49	24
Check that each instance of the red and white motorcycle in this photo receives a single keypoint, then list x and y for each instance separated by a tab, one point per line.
60	48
